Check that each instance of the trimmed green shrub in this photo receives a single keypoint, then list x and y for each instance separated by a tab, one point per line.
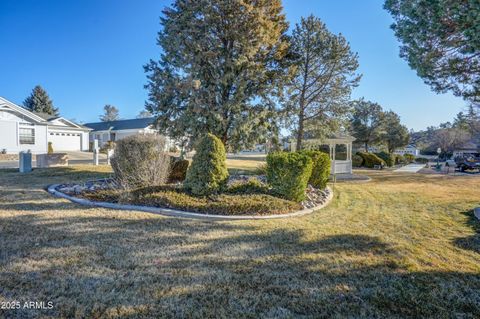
320	168
178	170
370	160
252	186
421	160
140	161
388	158
50	148
288	174
208	173
399	159
409	157
357	161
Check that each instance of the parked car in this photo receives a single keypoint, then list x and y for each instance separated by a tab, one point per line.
468	162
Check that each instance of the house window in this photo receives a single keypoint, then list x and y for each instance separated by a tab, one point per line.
27	135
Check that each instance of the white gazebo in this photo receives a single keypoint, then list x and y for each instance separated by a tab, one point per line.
338	166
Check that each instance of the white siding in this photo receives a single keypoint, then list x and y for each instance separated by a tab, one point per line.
9	138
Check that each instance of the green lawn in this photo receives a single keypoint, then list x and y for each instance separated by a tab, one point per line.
400	246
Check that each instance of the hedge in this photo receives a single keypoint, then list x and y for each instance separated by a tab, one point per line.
370	160
388	158
320	168
208	173
357	161
288	174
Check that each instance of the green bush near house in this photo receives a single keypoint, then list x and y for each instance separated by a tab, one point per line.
409	158
399	159
178	170
357	161
208	173
320	168
50	148
388	158
288	174
370	160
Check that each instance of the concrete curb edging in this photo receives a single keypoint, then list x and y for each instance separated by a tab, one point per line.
476	212
52	189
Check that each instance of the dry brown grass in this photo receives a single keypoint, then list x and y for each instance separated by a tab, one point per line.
399	246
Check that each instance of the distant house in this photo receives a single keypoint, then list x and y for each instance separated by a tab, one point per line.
467	148
22	130
116	130
409	149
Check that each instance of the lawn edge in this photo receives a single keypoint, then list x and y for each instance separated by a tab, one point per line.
52	189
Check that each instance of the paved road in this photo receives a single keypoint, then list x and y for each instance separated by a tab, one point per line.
410	168
74	158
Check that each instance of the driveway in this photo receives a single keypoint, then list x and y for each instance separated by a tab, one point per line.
74	158
410	168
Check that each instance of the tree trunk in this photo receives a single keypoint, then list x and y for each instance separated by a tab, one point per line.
300	130
366	147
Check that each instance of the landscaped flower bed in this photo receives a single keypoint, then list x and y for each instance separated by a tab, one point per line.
146	176
256	202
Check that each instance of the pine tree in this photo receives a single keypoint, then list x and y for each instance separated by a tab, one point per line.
441	41
367	123
319	92
395	134
110	113
221	63
39	101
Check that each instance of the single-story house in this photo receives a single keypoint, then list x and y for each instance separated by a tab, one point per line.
467	148
22	130
409	149
116	130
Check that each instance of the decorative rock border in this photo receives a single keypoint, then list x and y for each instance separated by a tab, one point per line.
52	189
476	212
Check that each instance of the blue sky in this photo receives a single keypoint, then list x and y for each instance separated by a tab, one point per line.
90	53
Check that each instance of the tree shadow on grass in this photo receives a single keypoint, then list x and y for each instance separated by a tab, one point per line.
93	266
470	242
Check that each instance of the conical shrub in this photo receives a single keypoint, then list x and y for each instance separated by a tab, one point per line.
208	173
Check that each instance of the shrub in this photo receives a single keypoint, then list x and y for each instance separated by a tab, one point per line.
208	173
109	145
251	186
178	170
388	158
320	168
409	158
370	160
50	148
357	161
288	174
421	160
399	159
140	161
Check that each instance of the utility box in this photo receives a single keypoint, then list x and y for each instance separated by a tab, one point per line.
25	162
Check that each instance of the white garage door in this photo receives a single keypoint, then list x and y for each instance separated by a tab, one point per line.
65	141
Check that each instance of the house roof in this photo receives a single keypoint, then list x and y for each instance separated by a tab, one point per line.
39	117
121	124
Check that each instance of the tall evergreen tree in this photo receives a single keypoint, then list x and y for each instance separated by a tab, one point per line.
39	101
144	114
395	134
221	63
441	41
319	92
110	113
367	123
